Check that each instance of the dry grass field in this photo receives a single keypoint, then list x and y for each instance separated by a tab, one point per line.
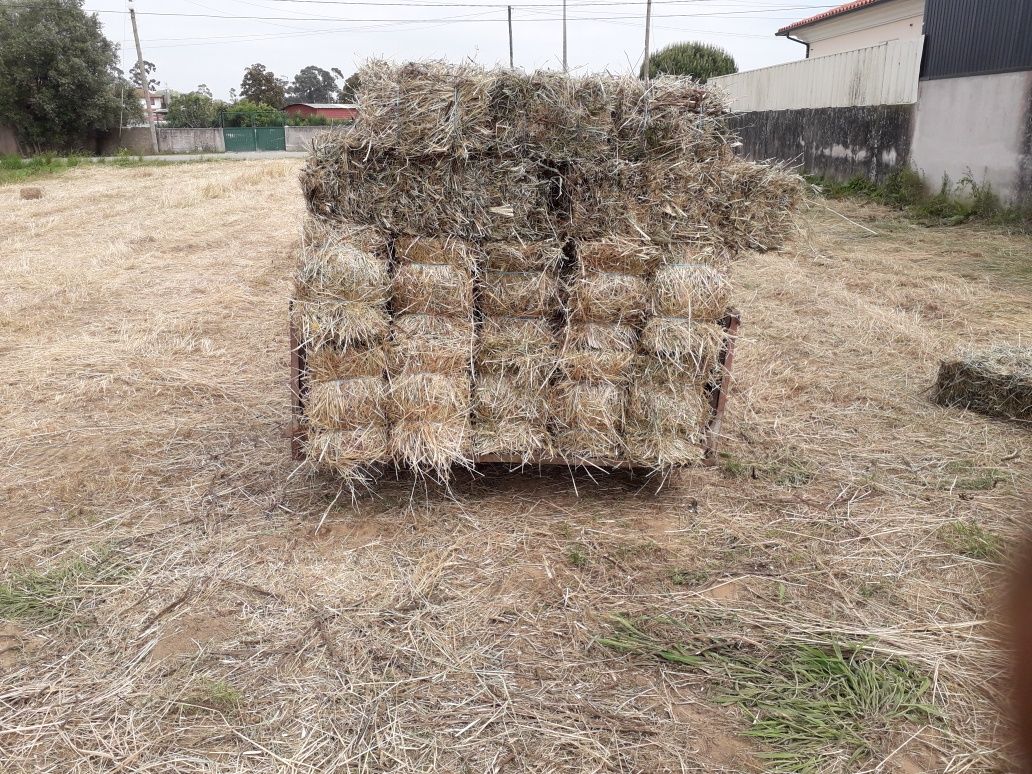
176	596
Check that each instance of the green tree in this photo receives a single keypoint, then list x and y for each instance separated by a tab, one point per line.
698	60
58	75
138	79
348	89
261	86
192	110
203	89
246	113
313	84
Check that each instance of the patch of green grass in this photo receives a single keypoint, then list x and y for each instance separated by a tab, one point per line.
14	169
817	707
733	467
956	203
55	594
688	577
970	477
577	556
973	540
634	550
217	695
870	589
784	470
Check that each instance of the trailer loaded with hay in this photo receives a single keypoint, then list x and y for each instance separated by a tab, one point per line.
522	268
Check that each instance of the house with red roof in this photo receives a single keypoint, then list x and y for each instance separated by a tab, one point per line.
857	24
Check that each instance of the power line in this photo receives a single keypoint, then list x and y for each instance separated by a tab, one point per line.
736	14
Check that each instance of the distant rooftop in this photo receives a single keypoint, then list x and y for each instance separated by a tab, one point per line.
855	5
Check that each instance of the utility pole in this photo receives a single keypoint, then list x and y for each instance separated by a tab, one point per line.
145	79
648	28
566	67
510	38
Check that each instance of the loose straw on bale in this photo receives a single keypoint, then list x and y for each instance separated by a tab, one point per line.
430	394
424	108
607	298
665	415
341	292
516	348
588	418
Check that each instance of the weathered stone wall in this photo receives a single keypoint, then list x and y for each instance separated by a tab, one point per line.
836	143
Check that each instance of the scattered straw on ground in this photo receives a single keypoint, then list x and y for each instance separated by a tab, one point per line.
173	599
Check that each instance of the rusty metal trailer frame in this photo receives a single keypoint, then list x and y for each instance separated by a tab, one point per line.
717	393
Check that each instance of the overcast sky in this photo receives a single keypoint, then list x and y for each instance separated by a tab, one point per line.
189	46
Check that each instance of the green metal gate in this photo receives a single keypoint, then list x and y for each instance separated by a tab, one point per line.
270	138
250	138
239	138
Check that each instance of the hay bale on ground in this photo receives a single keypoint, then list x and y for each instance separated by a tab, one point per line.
996	381
692	291
588	420
512	349
502	199
430	394
607	297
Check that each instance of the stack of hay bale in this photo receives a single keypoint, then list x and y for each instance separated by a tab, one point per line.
558	250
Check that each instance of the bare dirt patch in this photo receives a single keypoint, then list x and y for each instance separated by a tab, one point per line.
144	350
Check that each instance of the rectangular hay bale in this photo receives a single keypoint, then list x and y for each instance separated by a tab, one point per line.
996	381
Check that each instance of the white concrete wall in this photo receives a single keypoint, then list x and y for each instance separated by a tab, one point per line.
899	20
979	125
191	141
886	74
299	138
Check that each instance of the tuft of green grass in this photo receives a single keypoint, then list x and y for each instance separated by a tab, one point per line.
784	470
688	577
217	695
973	540
817	706
577	556
14	169
952	205
56	594
732	467
968	476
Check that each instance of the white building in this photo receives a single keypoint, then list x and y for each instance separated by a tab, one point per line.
857	24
